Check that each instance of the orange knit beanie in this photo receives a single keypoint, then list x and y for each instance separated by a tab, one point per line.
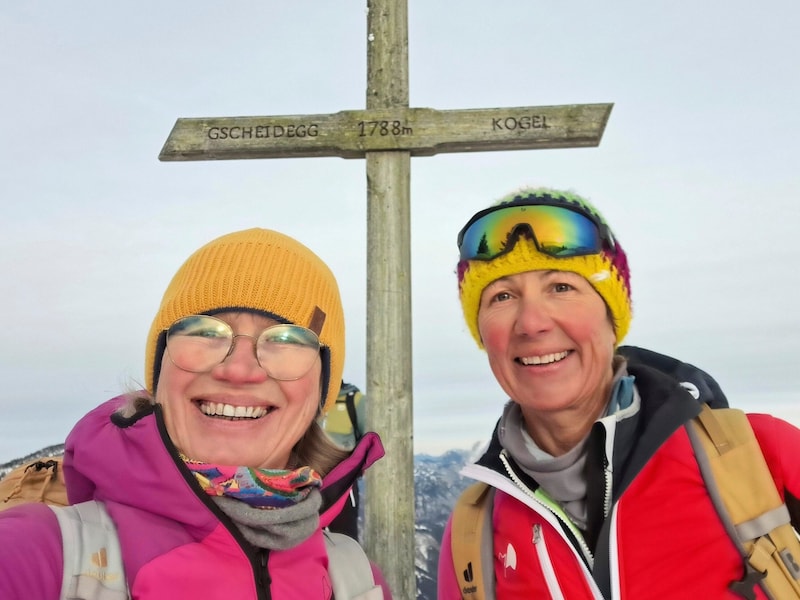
257	270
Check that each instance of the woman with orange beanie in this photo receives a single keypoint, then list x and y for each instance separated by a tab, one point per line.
217	477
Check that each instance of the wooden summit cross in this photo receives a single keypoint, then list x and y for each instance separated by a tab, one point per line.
387	134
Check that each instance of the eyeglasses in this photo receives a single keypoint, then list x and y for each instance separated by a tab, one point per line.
198	343
557	231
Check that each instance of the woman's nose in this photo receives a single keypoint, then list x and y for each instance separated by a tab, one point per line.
241	363
532	317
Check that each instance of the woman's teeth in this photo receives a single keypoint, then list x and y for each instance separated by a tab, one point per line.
218	409
545	359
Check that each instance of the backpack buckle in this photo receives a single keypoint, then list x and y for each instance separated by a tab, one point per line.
745	587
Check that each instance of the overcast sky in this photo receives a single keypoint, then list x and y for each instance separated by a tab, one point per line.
697	173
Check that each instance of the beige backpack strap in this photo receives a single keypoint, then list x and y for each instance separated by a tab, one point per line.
471	542
740	485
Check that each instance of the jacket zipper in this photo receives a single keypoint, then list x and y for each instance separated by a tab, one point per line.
607	474
262	574
258	557
547	565
563	519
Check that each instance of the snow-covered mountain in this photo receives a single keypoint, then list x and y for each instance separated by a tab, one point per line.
49	452
437	485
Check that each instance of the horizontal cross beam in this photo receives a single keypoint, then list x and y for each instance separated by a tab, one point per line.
421	131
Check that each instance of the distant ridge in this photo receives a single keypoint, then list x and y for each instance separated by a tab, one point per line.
48	452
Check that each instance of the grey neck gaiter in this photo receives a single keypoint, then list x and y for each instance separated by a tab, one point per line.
274	529
562	477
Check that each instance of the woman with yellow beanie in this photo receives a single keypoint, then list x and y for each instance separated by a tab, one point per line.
591	486
217	477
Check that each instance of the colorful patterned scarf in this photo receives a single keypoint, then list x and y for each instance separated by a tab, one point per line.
259	488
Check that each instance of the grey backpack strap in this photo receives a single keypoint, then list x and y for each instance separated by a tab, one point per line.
349	569
93	568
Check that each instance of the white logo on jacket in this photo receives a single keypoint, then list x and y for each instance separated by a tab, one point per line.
509	558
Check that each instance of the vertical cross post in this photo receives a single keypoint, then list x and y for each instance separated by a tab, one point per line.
389	505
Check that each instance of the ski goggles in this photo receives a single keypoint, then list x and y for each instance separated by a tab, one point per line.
198	343
557	231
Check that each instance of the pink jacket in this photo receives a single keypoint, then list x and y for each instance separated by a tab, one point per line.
175	542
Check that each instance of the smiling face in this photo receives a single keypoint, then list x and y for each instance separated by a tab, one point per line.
550	343
268	416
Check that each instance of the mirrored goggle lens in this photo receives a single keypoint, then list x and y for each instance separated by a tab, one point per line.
198	343
557	232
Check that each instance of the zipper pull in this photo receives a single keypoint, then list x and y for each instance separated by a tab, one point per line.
537	534
262	577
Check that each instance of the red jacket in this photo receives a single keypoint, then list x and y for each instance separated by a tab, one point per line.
662	538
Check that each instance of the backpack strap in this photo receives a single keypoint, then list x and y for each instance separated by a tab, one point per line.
350	403
471	542
743	491
349	569
93	568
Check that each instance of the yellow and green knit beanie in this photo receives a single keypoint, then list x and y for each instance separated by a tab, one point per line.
262	271
607	272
